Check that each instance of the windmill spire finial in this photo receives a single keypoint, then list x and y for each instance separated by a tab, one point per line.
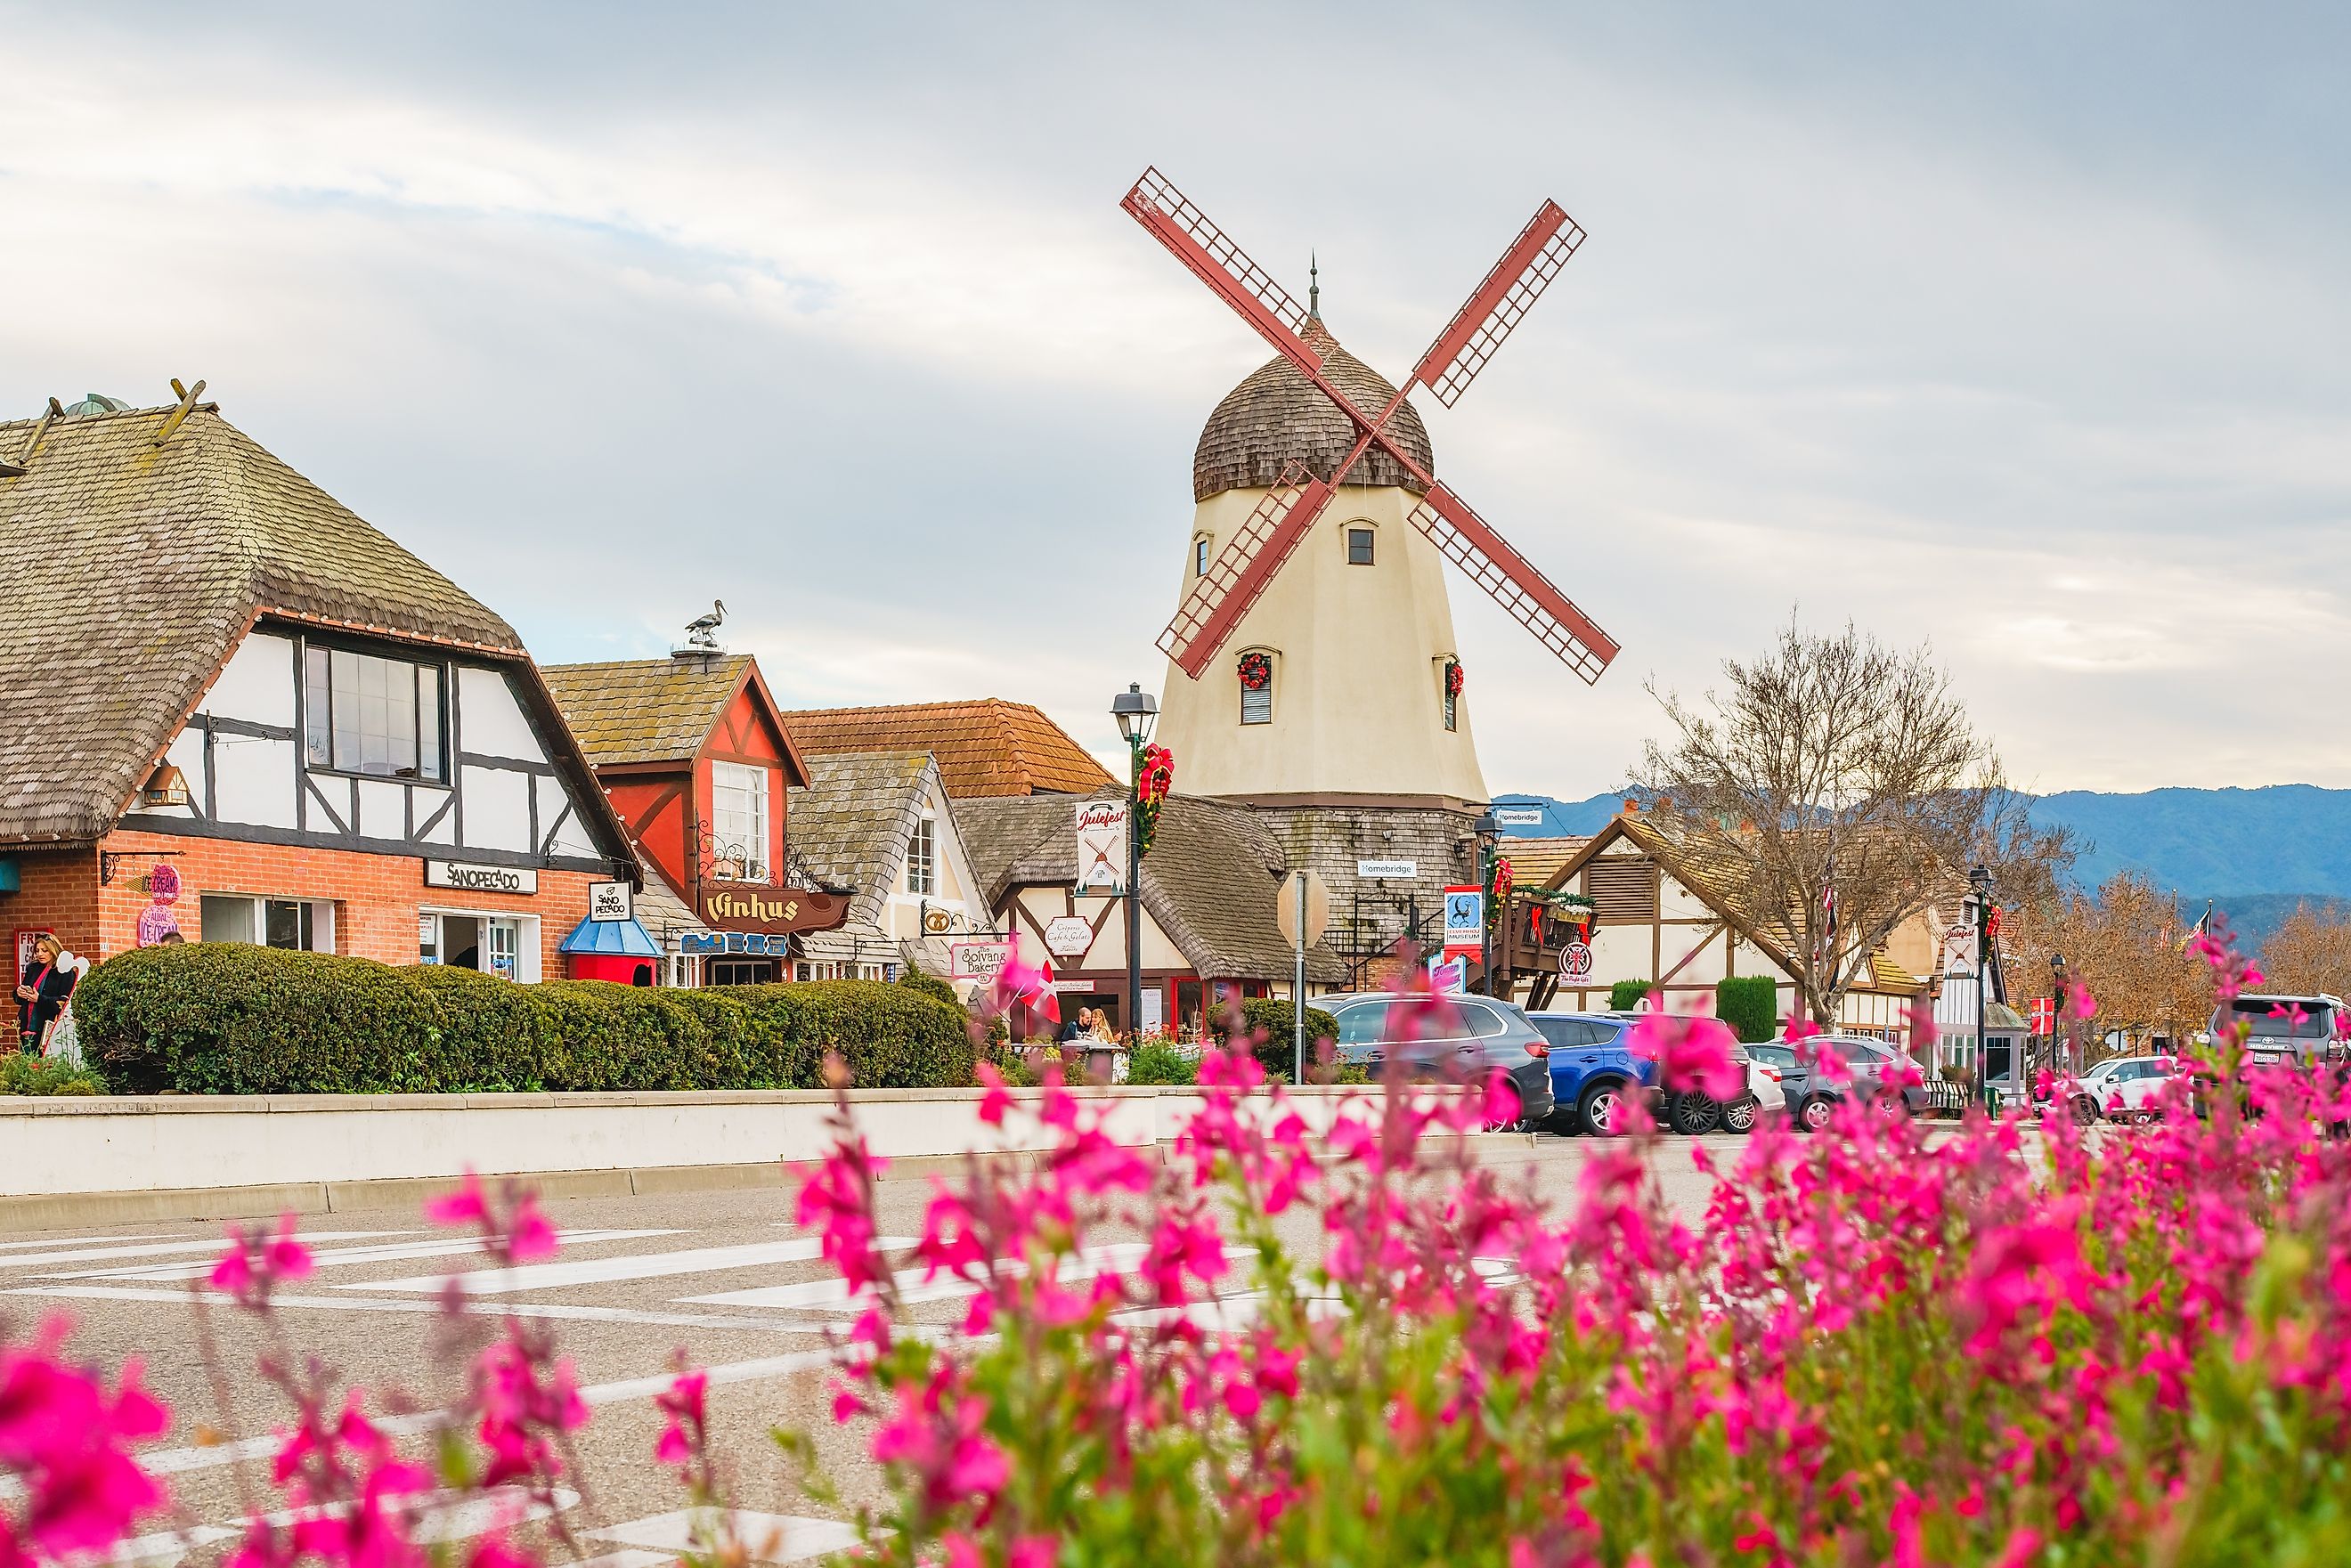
1313	287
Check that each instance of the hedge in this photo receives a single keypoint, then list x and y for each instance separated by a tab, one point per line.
230	1018
1750	1004
1274	1036
1625	994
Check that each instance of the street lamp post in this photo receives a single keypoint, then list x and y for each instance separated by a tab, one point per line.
1136	711
2060	1057
1980	879
1487	830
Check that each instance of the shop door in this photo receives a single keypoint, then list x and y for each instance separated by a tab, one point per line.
461	941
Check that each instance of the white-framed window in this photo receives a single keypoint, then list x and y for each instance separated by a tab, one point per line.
738	822
302	925
1200	556
1360	540
506	945
1256	671
361	714
922	858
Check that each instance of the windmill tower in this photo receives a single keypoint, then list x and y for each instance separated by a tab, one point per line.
1311	658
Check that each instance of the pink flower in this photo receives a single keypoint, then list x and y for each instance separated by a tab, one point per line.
685	1405
1691	1053
252	1266
1502	1108
64	1436
993	1104
1032	1552
467	1206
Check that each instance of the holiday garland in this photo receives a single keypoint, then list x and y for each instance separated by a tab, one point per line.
1257	671
1151	792
1453	678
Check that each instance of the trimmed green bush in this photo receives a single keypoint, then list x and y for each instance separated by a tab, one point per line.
929	985
1625	994
1158	1059
222	1018
1273	1036
229	1018
1750	1004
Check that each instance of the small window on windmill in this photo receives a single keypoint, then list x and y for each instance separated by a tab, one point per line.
1200	556
1257	688
1359	547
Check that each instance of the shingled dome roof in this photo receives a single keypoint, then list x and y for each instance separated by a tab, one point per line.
1278	414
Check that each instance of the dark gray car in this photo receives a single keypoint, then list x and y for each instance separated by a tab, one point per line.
1813	1099
1459	1036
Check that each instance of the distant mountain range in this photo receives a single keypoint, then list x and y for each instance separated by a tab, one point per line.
2254	852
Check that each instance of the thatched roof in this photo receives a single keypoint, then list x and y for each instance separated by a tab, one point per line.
984	748
132	569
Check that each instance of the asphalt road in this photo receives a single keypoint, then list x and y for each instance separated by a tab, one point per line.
725	1279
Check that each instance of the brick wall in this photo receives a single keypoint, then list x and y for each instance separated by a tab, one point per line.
56	890
376	897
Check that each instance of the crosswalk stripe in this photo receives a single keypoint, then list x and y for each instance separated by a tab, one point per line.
423	1305
834	1294
445	1246
766	1537
161	1249
74	1241
606	1270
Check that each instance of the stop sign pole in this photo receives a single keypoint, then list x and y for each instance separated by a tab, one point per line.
1303	910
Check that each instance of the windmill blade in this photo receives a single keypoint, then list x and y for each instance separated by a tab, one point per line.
1498	304
1469	542
1243	568
1175	222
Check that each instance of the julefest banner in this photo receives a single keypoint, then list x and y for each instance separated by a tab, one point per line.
1102	846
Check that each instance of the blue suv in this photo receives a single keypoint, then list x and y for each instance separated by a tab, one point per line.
1594	1072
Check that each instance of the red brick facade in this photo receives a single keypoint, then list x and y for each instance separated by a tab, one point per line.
376	897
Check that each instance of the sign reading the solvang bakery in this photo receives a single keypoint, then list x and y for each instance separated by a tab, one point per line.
467	878
774	910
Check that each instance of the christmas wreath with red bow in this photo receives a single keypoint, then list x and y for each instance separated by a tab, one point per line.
1257	671
1151	793
1501	892
1453	678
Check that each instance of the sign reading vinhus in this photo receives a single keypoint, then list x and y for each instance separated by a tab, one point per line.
774	910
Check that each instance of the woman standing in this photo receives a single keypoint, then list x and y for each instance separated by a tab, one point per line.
41	993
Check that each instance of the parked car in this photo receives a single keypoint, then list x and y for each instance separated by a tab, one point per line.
1460	1036
1593	1071
2088	1095
2131	1087
2282	1029
1869	1064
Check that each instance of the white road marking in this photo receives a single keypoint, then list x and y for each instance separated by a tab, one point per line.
75	1241
832	1295
766	1537
606	1270
214	1244
416	1305
446	1247
628	1557
160	1550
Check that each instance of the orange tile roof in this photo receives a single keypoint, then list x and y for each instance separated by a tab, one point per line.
987	747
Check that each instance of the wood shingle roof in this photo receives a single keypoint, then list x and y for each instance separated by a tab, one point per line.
1278	416
131	569
987	748
645	710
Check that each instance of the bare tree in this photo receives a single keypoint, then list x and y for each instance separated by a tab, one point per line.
2310	952
1835	788
2127	947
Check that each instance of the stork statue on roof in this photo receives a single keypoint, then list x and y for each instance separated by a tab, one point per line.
1312	655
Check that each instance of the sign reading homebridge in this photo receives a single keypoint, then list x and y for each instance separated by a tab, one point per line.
469	878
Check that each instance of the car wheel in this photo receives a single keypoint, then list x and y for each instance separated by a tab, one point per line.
1602	1113
1815	1112
2086	1110
1695	1115
1739	1116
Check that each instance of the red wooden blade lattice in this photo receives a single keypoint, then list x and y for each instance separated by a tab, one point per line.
1175	222
1498	304
1243	568
1465	539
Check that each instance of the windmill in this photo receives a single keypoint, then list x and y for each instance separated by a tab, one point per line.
1241	570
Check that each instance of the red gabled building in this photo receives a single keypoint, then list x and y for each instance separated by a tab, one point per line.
696	762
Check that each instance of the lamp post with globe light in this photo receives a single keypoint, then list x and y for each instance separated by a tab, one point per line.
1136	711
1979	881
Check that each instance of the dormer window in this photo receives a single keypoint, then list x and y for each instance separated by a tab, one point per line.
738	822
922	858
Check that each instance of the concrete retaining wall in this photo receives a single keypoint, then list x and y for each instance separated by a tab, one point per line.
69	1160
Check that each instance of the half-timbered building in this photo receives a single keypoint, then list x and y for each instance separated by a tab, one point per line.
231	710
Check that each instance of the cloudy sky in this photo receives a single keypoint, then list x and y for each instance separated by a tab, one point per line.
2020	328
